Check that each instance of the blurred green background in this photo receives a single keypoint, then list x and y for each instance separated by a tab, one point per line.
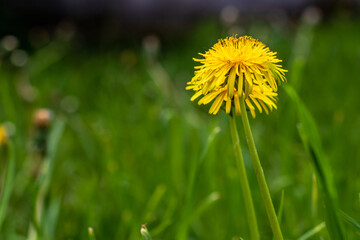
133	149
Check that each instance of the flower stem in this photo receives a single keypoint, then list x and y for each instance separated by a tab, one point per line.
254	232
260	174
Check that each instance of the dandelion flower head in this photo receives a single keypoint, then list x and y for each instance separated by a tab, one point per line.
238	67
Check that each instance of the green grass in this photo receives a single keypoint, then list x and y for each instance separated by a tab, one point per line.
137	151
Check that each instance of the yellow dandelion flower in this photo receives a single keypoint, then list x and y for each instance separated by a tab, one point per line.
3	135
263	101
236	67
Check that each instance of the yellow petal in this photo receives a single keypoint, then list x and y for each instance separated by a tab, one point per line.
257	104
251	107
240	82
260	81
228	105
208	98
215	107
248	83
196	95
231	82
264	107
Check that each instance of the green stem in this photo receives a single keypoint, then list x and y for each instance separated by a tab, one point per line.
243	180
260	174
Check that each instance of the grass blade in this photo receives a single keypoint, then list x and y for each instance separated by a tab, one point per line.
281	206
203	206
167	217
45	178
51	217
8	183
314	197
210	200
154	201
350	220
312	232
311	140
193	179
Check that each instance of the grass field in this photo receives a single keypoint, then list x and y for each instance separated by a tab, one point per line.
127	147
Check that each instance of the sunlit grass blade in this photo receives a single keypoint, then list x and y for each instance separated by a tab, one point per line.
312	232
351	221
8	182
145	233
314	197
311	140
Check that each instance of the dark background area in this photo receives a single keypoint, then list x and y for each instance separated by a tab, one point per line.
109	21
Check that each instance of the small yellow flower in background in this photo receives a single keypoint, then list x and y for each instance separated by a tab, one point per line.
236	67
3	135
